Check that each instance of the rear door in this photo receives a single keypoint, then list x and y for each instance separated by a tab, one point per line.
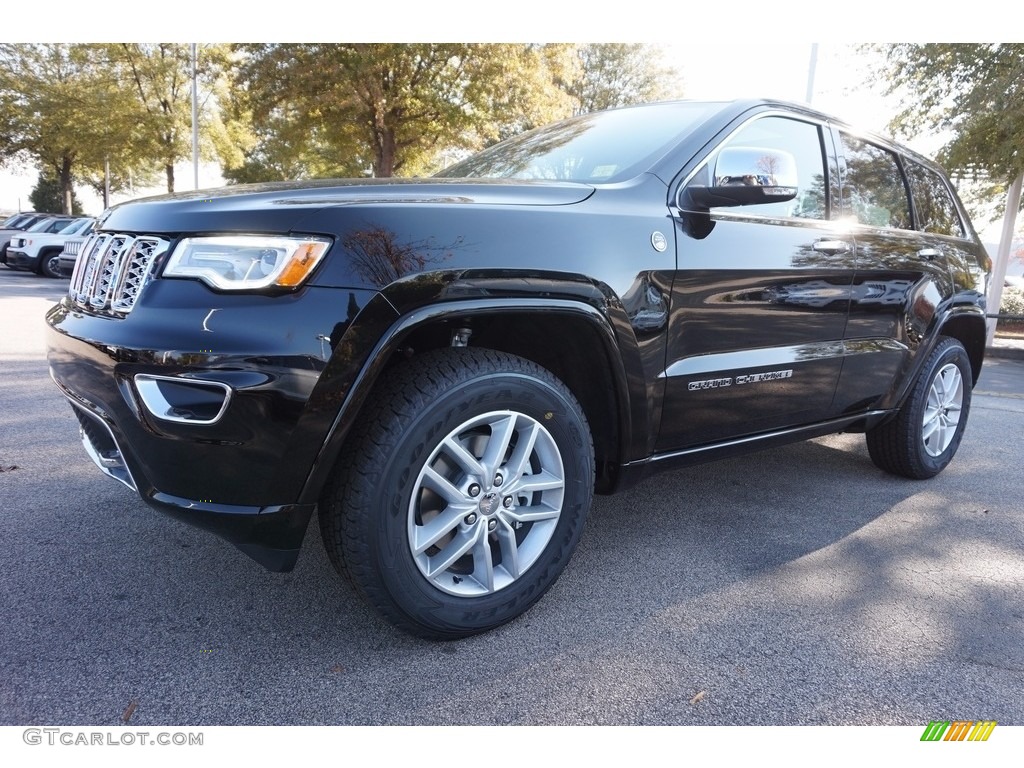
902	276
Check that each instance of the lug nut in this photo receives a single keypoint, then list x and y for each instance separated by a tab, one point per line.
498	480
507	502
470	518
474	490
492	524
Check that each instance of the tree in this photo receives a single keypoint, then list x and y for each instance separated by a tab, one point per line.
344	109
63	111
618	74
160	77
48	196
973	91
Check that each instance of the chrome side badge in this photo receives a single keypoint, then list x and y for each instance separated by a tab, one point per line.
659	241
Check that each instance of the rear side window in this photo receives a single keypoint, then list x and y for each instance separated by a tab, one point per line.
873	189
933	203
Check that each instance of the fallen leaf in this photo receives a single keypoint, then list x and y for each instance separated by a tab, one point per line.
129	711
9	469
698	697
337	668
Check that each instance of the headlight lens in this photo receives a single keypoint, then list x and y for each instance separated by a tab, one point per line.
247	262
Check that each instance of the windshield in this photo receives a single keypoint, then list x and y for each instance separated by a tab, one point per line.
75	226
600	147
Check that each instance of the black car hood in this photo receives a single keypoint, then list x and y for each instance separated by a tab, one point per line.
279	206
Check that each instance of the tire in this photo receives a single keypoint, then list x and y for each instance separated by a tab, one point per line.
435	513
924	436
49	264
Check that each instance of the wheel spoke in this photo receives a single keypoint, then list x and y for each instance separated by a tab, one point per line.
530	514
435	482
502	431
469	463
425	536
930	427
509	549
542	481
459	546
519	460
483	563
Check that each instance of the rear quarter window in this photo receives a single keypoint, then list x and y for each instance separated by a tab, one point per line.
933	203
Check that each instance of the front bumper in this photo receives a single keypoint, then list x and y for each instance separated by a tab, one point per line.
20	259
238	471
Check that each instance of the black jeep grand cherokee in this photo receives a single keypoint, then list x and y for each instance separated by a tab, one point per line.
449	368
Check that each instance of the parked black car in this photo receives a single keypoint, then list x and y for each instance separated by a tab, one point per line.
450	367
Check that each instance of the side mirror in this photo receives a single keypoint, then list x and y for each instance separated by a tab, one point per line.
748	176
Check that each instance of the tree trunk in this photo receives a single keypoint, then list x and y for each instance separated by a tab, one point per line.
170	177
67	189
384	161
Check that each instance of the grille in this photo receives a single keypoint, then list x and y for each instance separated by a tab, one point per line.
112	269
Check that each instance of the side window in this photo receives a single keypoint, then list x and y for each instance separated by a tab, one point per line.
936	211
873	189
801	140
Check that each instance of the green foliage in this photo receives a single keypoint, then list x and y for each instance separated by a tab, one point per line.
973	90
350	109
159	78
64	112
619	74
47	196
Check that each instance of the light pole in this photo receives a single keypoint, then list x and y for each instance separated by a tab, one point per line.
195	123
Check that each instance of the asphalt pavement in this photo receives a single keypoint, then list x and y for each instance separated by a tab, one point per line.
796	586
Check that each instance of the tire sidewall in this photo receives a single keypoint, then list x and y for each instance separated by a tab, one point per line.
389	538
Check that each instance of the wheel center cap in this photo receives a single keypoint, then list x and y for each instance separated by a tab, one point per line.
488	504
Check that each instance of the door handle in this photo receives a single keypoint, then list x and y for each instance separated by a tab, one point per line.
929	253
831	246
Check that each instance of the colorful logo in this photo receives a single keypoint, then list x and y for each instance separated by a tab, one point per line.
958	730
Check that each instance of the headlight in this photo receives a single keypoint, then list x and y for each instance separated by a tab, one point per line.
245	262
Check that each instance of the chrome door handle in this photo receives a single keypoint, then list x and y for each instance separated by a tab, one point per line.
929	253
831	246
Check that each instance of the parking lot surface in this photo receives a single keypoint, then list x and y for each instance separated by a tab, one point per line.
796	586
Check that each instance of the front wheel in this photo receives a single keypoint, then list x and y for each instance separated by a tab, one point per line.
463	492
922	439
49	264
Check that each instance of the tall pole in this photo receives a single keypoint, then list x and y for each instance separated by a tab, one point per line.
811	66
106	183
998	276
195	123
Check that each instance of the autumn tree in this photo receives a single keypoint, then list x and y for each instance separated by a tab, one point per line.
345	109
619	74
975	93
159	75
972	92
63	111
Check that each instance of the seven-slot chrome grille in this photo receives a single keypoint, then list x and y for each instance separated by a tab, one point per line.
112	269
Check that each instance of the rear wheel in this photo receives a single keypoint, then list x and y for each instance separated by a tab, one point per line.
463	492
925	435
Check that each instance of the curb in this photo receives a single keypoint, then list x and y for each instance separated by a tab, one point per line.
1005	353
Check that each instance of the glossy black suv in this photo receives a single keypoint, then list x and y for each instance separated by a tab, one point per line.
449	368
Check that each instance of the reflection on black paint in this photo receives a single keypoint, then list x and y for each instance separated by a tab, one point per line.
381	258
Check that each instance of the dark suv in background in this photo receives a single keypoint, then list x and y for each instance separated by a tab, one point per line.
449	368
